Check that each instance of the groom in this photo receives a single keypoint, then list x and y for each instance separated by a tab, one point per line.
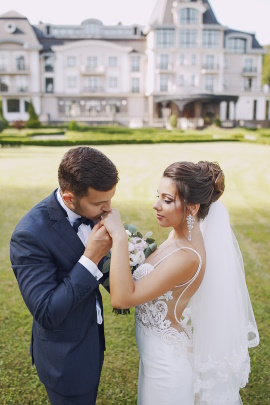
55	257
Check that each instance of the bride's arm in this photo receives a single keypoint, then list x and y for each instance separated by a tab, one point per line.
177	269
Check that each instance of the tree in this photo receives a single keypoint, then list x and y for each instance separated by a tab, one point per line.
33	120
3	121
266	67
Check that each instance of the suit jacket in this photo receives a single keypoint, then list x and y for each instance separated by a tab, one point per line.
61	295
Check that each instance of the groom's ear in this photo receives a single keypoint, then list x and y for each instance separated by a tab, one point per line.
68	198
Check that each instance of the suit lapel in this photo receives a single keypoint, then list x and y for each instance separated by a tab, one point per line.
62	226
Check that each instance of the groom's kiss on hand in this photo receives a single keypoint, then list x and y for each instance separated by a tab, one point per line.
57	251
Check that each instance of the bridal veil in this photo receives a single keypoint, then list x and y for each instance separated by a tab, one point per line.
222	318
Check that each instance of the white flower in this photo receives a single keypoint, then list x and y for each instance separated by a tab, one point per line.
128	233
131	247
140	257
133	261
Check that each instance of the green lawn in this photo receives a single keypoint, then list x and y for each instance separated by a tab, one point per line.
28	174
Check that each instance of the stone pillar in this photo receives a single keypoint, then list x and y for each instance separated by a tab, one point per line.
151	110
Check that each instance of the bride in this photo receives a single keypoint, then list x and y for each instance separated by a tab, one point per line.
193	318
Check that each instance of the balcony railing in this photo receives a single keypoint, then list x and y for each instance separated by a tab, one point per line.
93	89
7	70
13	90
249	69
93	70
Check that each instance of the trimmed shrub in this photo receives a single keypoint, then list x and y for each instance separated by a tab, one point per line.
218	122
173	121
73	126
33	120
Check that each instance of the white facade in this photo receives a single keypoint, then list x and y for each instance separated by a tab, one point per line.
184	63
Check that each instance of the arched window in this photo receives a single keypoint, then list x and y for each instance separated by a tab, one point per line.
236	45
188	16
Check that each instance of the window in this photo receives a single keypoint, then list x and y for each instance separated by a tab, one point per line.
164	83
91	62
164	62
188	16
165	38
182	59
135	85
112	82
193	59
93	83
3	62
72	82
3	84
21	84
255	109
71	61
92	29
112	61
209	83
188	38
247	83
49	85
209	61
26	106
20	64
49	63
236	45
267	110
13	105
192	80
135	63
211	39
181	80
248	65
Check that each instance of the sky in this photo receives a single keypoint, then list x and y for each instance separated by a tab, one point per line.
242	15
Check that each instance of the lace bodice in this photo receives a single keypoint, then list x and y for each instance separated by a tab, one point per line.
159	316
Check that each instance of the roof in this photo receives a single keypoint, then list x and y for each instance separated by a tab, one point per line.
254	44
162	13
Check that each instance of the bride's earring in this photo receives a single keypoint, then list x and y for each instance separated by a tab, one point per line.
190	223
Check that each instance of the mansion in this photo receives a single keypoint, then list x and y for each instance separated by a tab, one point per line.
184	63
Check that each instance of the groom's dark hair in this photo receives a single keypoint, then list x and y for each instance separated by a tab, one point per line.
85	167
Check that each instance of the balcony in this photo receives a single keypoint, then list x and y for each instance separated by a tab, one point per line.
249	71
93	70
5	89
165	68
210	69
93	89
7	70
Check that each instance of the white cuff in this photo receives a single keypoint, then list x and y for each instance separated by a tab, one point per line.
90	266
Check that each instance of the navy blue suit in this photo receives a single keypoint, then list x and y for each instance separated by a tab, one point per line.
67	343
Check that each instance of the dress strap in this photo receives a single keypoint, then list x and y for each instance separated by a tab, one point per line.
188	283
165	257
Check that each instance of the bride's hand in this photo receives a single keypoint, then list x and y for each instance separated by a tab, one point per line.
113	223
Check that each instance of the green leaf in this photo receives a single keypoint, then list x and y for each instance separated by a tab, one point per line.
139	234
150	240
153	247
147	252
132	229
148	234
106	283
106	266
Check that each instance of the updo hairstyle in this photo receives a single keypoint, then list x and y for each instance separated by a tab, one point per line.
197	183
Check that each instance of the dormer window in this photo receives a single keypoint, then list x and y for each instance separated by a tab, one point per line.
92	27
188	16
236	45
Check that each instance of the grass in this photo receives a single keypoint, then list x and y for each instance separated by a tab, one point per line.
28	174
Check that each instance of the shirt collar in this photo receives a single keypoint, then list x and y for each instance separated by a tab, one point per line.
72	216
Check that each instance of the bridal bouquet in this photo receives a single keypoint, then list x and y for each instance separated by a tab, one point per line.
140	247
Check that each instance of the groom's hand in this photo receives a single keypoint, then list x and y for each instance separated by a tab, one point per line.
98	245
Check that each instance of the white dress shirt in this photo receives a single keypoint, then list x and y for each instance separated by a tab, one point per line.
83	233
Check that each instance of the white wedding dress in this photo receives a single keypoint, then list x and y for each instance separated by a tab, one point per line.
203	357
165	345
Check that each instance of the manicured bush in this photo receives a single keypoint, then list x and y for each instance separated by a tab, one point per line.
218	122
173	121
33	120
73	126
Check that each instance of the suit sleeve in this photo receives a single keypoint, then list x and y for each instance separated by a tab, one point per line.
48	299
